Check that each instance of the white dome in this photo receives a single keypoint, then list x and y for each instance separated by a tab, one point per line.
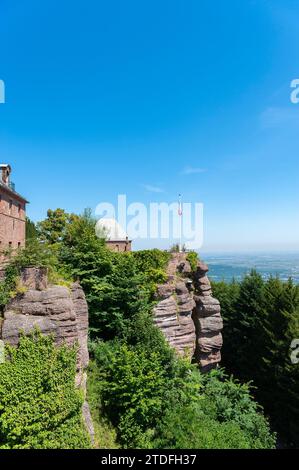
111	229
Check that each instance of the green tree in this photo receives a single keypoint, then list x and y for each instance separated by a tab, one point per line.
275	372
133	385
53	228
31	231
261	320
246	325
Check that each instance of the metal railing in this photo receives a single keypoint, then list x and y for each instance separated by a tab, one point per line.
12	186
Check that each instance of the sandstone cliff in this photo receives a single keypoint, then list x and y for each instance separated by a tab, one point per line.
188	314
56	310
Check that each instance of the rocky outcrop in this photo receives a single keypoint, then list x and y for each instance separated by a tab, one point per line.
81	312
57	310
207	320
188	314
173	312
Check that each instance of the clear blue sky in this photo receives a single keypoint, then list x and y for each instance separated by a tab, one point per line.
135	97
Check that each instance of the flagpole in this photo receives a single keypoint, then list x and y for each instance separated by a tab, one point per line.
181	220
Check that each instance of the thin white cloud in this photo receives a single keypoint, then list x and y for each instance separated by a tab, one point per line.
190	170
279	116
152	189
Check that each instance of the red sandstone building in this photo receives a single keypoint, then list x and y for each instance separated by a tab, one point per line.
12	212
119	245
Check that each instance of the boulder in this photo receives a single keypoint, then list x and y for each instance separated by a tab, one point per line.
57	310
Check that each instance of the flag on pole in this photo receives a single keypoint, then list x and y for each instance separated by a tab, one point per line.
180	213
180	209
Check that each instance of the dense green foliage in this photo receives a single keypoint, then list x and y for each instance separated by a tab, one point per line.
261	318
141	394
35	254
8	286
193	259
39	405
158	404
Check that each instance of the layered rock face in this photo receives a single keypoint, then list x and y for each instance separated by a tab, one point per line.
55	310
188	314
207	320
173	313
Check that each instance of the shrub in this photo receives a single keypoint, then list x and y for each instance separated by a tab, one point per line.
159	401
148	260
132	390
193	258
223	416
8	286
232	401
34	254
40	407
189	427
